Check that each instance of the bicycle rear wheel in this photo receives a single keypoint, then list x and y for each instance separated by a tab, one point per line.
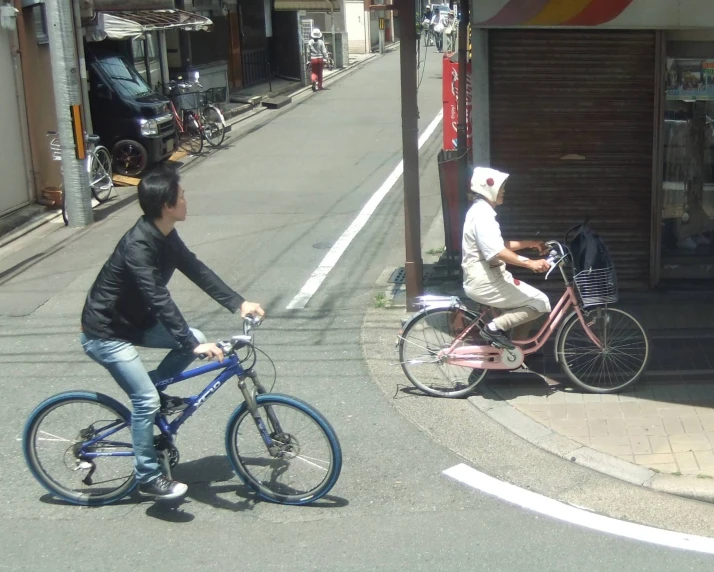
100	174
620	361
213	127
305	460
422	340
78	446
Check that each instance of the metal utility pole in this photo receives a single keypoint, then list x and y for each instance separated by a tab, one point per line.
68	104
410	149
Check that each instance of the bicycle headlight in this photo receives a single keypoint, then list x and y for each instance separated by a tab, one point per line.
149	127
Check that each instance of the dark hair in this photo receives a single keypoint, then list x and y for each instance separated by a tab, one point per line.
159	188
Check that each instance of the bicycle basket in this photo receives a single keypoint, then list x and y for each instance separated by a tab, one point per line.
192	100
597	287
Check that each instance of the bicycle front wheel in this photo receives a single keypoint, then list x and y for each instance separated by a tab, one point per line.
78	446
100	174
422	341
620	361
213	127
304	460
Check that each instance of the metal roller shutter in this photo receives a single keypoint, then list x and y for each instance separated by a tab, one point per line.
572	116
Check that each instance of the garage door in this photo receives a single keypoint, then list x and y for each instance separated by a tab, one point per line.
572	116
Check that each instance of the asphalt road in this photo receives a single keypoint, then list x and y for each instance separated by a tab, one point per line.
263	212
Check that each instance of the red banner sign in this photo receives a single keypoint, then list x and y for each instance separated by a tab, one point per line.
450	92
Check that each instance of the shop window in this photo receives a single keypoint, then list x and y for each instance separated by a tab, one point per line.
688	165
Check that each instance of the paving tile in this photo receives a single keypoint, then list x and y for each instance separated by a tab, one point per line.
538	399
617	427
559	411
598	427
705	413
662	468
583	440
616	450
662	458
682	442
534	406
591	398
673	425
631	410
573	432
555	398
676	410
640	445
659	445
708	426
627	397
643	422
558	423
575	410
610	398
596	406
638	431
573	397
691	425
686	462
610	441
705	459
628	458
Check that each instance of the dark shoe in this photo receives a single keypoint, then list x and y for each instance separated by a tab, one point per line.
170	404
163	488
498	338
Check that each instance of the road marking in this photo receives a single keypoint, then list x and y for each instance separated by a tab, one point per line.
333	256
582	517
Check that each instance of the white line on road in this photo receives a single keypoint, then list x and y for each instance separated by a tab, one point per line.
332	257
555	509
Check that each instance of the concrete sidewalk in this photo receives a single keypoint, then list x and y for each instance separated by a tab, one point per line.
659	434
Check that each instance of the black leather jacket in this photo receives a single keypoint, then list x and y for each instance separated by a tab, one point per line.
130	296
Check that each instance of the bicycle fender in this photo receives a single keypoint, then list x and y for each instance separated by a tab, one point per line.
220	114
446	305
559	334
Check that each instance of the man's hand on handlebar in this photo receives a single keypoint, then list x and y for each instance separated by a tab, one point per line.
209	350
251	308
539	266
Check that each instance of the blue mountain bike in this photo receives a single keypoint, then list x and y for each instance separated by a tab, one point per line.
77	444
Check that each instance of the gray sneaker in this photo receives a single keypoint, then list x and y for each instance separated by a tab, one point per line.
498	338
163	488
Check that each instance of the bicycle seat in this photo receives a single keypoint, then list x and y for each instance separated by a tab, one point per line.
93	139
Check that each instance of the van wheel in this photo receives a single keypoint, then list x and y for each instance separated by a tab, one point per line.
130	157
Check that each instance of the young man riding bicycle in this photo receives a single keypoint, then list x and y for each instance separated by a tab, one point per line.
129	305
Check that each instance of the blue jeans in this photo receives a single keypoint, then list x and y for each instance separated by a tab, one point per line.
122	361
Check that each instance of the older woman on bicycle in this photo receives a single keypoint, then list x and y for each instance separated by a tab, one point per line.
484	259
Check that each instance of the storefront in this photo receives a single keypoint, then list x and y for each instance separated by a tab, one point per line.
605	110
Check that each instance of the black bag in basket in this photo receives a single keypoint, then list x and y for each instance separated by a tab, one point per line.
588	250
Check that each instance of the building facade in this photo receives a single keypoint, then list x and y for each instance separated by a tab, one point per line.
602	109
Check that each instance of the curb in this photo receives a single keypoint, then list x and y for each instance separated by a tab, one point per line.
492	405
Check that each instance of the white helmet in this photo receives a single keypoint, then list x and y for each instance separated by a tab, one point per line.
487	182
316	33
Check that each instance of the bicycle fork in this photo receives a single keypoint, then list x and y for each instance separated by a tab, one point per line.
250	394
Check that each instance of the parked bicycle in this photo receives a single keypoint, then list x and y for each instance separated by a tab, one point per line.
77	444
601	349
98	164
195	116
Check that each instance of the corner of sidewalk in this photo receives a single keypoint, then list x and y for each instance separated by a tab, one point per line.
388	313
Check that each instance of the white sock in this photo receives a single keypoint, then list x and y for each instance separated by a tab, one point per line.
492	327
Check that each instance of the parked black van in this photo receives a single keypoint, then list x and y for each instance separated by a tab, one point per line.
132	120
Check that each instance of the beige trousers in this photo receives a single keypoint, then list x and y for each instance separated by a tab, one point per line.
496	287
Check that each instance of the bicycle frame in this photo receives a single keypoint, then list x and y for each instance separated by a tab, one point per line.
490	357
231	366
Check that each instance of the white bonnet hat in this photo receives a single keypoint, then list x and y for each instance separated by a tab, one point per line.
487	182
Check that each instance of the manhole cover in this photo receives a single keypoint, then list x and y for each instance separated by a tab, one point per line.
322	245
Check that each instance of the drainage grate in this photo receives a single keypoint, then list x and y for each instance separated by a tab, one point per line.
399	276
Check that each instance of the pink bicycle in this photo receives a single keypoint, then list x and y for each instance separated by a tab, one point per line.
601	349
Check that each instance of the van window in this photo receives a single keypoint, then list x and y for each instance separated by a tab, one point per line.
126	80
